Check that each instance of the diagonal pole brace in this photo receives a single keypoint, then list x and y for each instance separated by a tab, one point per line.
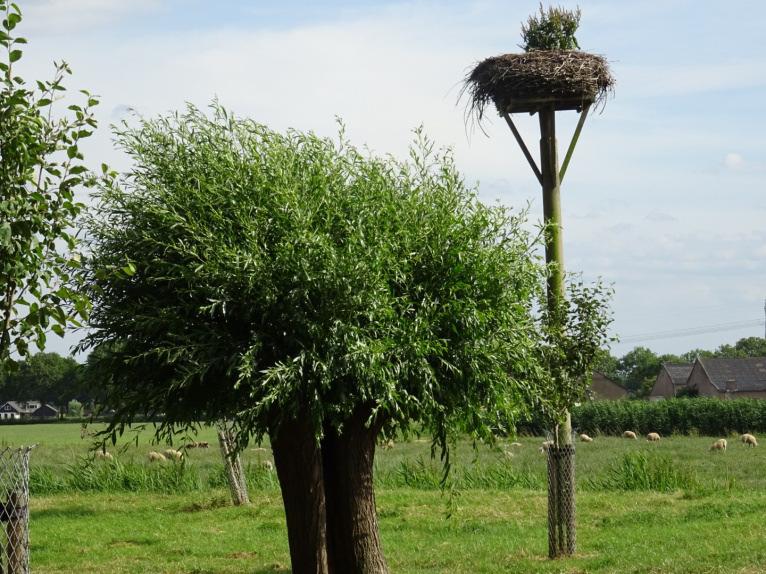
573	143
523	147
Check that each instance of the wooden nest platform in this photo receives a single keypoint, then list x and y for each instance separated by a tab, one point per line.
540	79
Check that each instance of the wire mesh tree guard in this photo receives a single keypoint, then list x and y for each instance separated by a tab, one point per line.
14	510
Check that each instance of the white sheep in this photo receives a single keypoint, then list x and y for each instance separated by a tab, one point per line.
546	445
629	434
155	456
104	455
585	438
515	444
653	437
267	465
720	444
173	454
749	440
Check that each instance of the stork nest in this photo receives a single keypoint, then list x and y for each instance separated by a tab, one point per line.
519	82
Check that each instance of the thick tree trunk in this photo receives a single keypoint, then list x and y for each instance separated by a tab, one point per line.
298	460
353	538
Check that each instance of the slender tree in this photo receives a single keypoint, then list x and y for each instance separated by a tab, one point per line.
40	169
318	296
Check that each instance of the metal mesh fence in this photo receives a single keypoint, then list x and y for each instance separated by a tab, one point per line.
14	510
562	540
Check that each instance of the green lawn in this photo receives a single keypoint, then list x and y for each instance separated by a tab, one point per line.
717	526
491	531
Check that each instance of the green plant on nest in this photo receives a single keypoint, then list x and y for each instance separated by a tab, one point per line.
552	29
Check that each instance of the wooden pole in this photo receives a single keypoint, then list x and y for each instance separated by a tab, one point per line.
523	146
232	463
554	247
16	549
573	143
561	506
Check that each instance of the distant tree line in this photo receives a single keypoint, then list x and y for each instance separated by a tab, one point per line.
54	379
50	378
637	370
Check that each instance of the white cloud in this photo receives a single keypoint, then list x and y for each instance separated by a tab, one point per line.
734	161
660	216
672	79
67	16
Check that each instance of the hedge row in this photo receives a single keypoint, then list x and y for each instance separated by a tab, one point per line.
704	416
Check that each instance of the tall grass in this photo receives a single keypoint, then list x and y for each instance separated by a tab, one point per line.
425	474
645	471
87	475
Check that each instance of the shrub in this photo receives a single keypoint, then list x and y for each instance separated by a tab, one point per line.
705	416
552	29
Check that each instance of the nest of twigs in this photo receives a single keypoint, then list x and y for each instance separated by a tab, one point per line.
563	79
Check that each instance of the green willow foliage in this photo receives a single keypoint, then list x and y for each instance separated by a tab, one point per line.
243	273
552	29
40	169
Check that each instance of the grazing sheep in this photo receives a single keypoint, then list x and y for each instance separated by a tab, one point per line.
508	454
155	456
629	434
105	455
546	445
173	454
585	438
267	465
515	444
653	437
389	444
720	444
749	439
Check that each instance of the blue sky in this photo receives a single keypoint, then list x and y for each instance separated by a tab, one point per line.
664	198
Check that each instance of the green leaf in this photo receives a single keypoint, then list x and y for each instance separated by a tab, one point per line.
58	329
41	340
5	234
71	152
13	20
14	56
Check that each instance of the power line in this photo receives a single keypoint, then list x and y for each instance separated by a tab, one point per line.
720	327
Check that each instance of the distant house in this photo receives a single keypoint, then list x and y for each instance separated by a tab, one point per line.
729	378
45	411
671	378
16	410
605	389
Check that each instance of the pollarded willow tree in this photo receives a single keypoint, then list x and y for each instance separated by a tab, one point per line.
318	296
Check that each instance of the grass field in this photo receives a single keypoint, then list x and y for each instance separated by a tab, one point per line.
702	513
